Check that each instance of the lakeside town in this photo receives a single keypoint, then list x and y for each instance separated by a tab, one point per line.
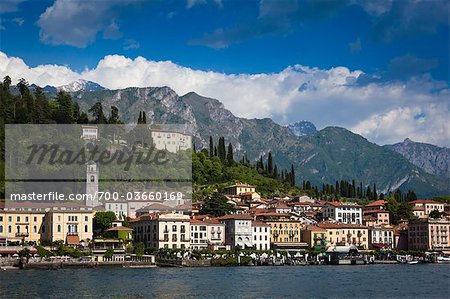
255	230
294	230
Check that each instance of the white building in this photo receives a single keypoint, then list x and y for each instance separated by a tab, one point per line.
120	208
382	237
162	230
207	234
344	213
171	140
89	132
261	235
238	230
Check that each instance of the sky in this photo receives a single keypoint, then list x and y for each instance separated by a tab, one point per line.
378	68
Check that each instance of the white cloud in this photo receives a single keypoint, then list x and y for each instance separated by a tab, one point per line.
382	112
428	123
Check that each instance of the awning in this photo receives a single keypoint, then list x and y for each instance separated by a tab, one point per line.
380	245
72	240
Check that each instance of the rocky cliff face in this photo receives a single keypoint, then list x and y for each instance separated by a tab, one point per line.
431	158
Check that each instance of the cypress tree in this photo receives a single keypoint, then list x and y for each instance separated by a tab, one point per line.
270	164
144	118
140	118
293	175
211	147
230	159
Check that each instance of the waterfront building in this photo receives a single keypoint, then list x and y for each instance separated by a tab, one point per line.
285	231
102	248
429	234
238	230
170	140
70	225
207	233
382	237
427	206
343	212
35	222
261	235
315	237
162	230
344	234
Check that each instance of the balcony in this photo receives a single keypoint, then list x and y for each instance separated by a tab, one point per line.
22	235
72	234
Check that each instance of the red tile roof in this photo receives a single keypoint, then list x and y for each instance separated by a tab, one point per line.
236	217
368	212
118	228
423	201
377	203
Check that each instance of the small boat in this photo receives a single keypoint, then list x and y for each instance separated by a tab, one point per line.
413	262
443	260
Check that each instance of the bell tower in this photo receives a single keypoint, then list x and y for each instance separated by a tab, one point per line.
92	184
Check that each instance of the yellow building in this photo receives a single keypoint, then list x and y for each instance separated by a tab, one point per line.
238	189
36	222
342	234
21	223
285	232
315	237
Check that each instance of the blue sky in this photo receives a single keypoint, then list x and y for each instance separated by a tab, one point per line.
395	51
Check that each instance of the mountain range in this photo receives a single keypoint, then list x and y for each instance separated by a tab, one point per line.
322	156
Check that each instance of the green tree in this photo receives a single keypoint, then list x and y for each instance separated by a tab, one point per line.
435	214
139	248
270	164
65	109
230	159
211	147
97	113
217	205
103	220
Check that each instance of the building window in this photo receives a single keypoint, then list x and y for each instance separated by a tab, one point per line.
86	229
9	219
35	219
35	229
86	218
9	229
1	228
18	218
59	228
26	219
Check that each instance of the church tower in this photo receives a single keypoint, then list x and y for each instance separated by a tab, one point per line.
92	184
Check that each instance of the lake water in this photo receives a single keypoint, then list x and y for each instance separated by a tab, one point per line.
370	281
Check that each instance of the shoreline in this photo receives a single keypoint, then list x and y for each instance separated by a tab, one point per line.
135	265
